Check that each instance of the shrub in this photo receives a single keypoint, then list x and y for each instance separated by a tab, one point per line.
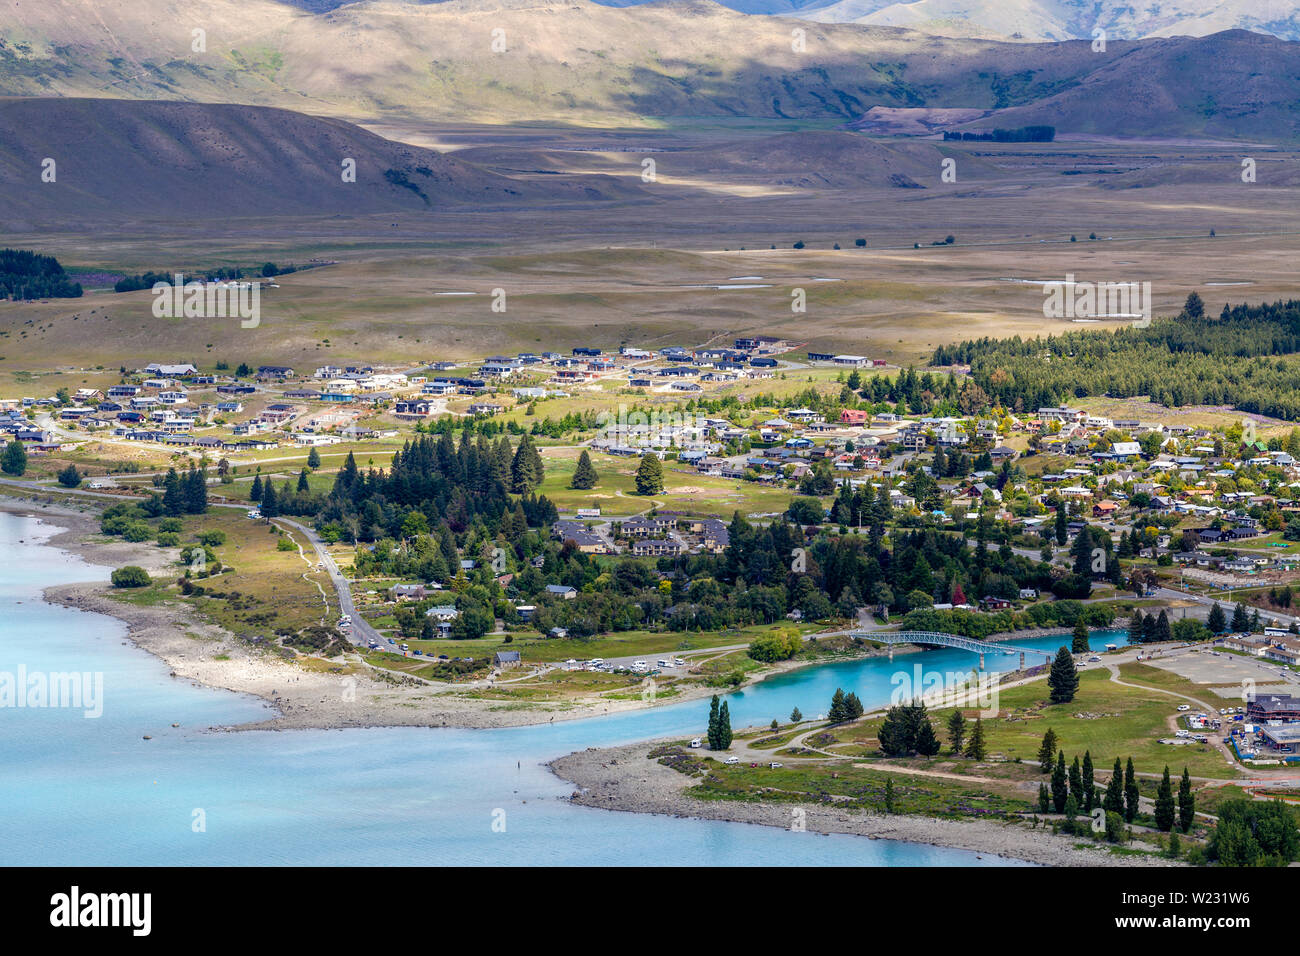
1114	827
213	537
137	531
168	539
130	576
778	645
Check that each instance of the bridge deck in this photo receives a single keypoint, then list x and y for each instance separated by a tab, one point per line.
949	640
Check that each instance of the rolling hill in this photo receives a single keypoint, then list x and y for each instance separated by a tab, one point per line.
191	161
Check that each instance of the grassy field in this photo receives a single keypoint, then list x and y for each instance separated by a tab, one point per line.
1105	719
264	592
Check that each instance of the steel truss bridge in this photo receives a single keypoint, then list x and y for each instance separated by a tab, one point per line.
940	639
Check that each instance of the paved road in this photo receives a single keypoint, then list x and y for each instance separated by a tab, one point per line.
361	632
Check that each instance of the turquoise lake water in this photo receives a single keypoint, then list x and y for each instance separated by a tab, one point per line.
80	791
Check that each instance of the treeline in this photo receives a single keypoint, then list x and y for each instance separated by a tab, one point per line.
28	275
1022	134
461	485
147	280
1235	360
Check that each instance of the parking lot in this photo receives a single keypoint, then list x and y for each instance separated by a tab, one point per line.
1222	669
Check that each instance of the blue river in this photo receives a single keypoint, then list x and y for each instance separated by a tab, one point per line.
79	791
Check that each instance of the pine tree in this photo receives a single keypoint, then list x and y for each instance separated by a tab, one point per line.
14	461
893	735
838	712
584	475
975	747
173	494
313	458
714	716
1163	631
795	716
956	730
1062	530
255	493
196	491
1044	799
853	706
1131	792
889	795
302	481
1164	812
1059	783
270	506
1089	783
1135	628
526	470
1114	799
724	727
1076	782
649	475
1063	679
1186	803
1217	622
927	744
1240	622
1079	644
1047	751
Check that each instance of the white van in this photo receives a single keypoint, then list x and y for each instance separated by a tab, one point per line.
663	663
696	742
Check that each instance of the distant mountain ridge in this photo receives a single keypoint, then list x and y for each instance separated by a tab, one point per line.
581	63
1030	20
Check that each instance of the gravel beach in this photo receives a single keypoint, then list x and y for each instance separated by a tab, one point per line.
623	778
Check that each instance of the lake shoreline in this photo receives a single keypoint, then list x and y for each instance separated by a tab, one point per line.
299	698
623	779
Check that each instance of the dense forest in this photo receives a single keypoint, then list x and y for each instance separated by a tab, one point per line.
1242	359
29	275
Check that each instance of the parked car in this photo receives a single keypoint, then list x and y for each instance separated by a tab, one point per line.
1183	707
732	759
775	764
